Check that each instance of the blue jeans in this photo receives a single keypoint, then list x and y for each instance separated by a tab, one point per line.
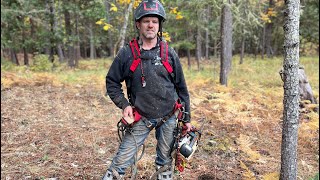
136	137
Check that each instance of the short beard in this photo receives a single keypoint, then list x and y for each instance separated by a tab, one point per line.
155	36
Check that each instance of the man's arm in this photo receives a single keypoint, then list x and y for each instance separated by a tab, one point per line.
183	92
115	77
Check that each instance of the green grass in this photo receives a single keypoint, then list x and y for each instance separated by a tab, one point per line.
263	73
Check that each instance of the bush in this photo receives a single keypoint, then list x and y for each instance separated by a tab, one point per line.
6	64
41	63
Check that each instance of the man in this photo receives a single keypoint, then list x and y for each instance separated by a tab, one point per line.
152	91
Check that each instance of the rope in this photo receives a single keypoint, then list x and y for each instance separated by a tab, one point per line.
121	133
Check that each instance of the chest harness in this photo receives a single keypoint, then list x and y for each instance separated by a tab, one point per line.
164	55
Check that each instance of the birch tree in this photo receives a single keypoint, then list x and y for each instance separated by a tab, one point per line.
124	27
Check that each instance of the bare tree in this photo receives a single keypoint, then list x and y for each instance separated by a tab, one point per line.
110	38
51	13
57	25
226	44
268	34
92	46
124	28
198	51
291	91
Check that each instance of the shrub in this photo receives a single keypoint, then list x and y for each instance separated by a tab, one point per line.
6	64
41	63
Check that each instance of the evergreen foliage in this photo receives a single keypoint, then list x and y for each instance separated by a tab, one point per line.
33	26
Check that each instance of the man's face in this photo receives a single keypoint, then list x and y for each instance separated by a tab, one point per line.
148	27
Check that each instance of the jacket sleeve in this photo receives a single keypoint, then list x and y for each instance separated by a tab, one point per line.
181	85
115	77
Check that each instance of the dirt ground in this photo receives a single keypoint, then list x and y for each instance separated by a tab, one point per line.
64	132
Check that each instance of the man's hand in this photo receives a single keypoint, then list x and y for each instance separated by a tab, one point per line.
189	126
128	115
128	112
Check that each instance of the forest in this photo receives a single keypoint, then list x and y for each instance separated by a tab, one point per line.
58	123
91	29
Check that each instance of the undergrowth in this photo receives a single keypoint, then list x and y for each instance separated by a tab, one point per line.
246	112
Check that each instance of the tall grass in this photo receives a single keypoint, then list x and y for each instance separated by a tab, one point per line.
262	73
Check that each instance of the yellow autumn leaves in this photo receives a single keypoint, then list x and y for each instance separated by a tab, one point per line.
166	36
135	3
176	12
267	17
114	8
106	26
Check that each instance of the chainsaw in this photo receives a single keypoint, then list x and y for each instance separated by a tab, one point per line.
186	144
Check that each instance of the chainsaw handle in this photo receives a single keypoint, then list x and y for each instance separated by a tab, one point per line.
184	129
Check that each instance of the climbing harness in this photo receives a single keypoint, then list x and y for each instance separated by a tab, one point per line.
126	127
164	54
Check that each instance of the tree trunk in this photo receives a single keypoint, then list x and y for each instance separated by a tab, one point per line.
226	44
14	57
268	38
50	4
198	52
32	35
207	43
60	52
189	59
70	47
207	33
189	34
263	42
291	91
25	52
125	25
55	27
77	43
242	50
215	48
85	53
256	50
25	57
92	47
110	38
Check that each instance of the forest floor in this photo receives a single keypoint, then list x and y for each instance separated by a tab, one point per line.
62	131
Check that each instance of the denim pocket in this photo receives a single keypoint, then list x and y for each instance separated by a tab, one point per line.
140	128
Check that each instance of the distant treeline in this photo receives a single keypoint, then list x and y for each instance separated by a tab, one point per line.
75	29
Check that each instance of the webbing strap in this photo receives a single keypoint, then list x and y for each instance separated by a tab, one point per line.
164	57
136	55
135	50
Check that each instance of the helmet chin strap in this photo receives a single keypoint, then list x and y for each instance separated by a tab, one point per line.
160	29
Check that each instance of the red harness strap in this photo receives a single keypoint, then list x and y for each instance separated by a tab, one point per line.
164	58
164	54
136	59
136	55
